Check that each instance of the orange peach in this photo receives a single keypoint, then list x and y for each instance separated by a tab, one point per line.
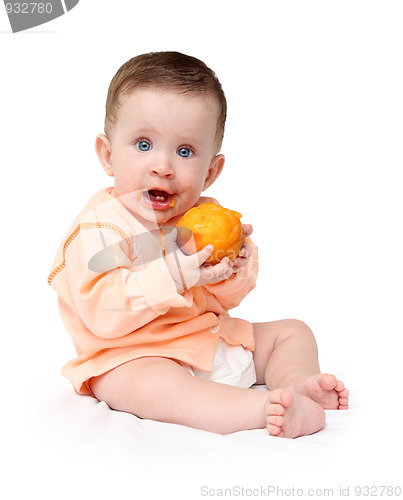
211	224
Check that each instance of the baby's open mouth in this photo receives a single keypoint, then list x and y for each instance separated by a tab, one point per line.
159	199
156	195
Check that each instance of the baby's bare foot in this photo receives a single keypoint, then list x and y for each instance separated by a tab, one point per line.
324	389
292	415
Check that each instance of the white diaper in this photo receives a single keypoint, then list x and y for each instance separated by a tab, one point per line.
232	364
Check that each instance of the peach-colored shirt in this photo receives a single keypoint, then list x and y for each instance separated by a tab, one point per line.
118	304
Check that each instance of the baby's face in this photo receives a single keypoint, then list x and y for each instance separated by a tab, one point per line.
163	145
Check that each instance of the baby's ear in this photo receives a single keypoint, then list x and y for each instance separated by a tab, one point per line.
216	166
104	151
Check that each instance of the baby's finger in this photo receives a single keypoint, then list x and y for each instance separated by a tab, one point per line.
223	269
246	250
170	242
248	229
171	236
238	263
218	272
226	273
204	253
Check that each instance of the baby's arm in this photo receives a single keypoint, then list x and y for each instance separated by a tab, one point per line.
120	298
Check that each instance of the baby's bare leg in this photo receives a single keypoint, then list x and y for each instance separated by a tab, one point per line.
160	389
285	350
286	356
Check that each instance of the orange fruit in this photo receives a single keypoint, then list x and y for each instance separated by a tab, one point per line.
211	224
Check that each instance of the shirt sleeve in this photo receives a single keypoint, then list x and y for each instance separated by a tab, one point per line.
232	291
112	294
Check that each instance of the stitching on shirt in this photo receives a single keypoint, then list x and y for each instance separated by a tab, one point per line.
164	250
90	225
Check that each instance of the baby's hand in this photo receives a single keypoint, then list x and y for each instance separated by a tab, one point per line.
244	253
190	270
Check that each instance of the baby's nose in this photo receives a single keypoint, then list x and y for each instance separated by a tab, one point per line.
163	167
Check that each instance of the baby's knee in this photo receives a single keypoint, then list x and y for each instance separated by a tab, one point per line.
298	328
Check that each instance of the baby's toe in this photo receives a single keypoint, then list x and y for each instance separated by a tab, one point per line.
281	397
274	430
277	420
344	393
275	409
328	382
339	386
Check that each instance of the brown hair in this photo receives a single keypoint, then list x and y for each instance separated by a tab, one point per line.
168	70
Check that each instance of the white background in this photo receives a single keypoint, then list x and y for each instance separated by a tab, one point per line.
314	158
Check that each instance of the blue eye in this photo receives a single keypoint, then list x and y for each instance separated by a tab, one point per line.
143	145
184	152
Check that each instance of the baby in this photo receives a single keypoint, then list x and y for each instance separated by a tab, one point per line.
150	324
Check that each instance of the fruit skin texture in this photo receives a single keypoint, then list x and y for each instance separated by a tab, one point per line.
211	224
